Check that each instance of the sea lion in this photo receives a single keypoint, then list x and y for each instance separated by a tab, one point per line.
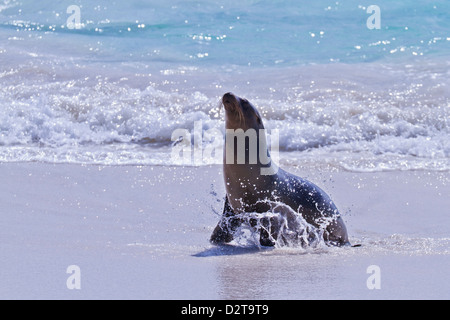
254	184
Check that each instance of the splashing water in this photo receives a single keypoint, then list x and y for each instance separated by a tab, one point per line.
282	226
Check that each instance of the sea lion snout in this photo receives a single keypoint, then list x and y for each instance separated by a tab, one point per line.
229	101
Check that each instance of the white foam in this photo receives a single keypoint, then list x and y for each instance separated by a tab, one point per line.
121	116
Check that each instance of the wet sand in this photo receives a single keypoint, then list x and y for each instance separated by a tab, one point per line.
142	233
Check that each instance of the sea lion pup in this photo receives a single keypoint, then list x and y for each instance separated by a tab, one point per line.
254	184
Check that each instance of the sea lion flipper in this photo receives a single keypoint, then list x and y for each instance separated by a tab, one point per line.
269	231
228	224
220	236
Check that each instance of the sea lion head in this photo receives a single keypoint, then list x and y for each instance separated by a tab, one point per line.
240	113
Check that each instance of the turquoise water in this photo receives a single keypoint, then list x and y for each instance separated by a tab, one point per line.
113	89
258	33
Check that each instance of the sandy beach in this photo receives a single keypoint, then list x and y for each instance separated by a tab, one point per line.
95	96
142	233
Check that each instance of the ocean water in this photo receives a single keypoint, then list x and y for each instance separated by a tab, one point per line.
108	82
